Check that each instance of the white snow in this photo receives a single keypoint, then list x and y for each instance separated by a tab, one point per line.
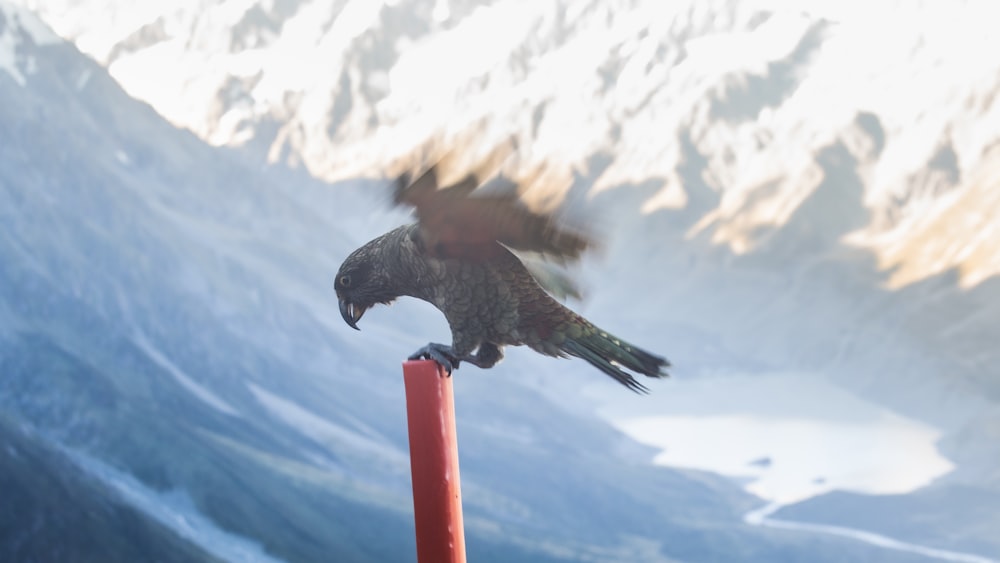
82	81
815	436
100	25
323	431
27	22
918	67
196	389
8	47
19	22
175	510
762	517
8	57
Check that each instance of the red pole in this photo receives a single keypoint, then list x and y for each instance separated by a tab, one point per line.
437	491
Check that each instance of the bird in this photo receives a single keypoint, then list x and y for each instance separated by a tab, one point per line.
460	256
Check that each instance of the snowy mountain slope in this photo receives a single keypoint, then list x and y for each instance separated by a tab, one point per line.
759	87
166	313
52	512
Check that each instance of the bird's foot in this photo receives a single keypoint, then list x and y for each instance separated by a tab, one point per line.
487	356
440	353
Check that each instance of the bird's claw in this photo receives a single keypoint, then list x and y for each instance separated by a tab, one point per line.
439	353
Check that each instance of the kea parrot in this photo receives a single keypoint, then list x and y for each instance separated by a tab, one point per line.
458	256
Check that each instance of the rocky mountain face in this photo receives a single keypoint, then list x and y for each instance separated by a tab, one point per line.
809	188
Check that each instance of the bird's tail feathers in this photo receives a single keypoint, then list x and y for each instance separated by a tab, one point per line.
607	352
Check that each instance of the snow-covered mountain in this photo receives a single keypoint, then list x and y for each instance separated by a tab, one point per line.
791	188
732	114
757	88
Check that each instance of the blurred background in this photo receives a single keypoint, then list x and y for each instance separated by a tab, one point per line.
799	203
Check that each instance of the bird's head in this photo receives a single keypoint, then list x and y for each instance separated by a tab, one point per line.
361	283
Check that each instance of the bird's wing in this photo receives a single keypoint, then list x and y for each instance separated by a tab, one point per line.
464	221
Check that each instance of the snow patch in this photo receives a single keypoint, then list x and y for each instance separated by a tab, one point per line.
175	510
82	81
18	22
26	21
202	393
761	517
8	48
321	430
8	58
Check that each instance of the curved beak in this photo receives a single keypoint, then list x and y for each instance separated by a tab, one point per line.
352	313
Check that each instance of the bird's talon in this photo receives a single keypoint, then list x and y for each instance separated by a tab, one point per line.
440	354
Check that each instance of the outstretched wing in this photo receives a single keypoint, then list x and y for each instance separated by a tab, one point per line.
463	221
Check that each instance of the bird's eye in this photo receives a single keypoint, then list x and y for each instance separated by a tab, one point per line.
345	281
